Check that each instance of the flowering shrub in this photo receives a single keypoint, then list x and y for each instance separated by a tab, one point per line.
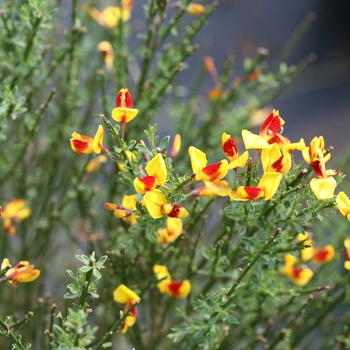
213	233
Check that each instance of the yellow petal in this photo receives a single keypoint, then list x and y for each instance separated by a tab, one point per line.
198	159
124	114
123	295
219	187
343	203
154	201
323	188
98	139
240	162
253	141
156	167
269	184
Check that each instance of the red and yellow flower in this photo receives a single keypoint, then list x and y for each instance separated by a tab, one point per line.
85	144
124	211
204	172
324	186
15	210
266	188
315	255
297	273
157	206
167	286
172	231
268	130
22	272
124	113
230	150
273	160
347	253
312	152
157	175
125	295
106	48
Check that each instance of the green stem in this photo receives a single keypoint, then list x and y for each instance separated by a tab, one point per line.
109	334
251	264
16	340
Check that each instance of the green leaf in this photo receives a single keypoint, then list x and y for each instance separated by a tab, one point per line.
84	259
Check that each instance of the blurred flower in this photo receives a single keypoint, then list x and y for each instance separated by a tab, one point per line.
210	67
268	130
131	156
175	148
84	144
347	253
96	163
273	160
195	9
231	152
311	152
324	186
110	16
15	210
106	48
266	188
157	175
172	231
299	275
167	286
22	272
124	113
306	254
124	295
343	204
157	206
315	255
213	94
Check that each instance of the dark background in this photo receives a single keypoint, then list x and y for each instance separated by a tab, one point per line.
318	102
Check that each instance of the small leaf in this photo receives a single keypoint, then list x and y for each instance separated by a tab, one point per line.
84	259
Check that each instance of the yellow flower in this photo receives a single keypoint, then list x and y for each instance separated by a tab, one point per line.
124	113
231	152
123	295
311	152
195	9
85	144
96	163
300	276
106	48
167	286
23	272
274	161
15	210
324	186
267	187
343	204
172	231
157	175
175	148
110	16
157	206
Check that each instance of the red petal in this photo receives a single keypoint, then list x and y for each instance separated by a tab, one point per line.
230	148
252	192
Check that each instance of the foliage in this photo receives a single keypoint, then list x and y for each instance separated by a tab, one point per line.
230	264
